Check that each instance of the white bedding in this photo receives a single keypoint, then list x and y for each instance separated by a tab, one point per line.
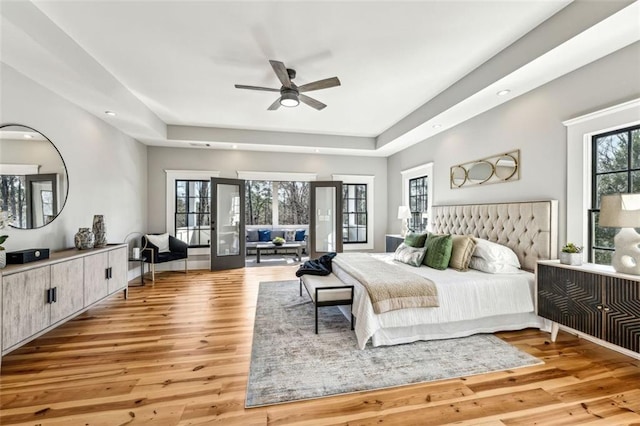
466	298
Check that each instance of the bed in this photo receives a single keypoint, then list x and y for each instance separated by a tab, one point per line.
470	302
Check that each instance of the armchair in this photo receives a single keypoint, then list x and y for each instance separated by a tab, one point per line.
153	254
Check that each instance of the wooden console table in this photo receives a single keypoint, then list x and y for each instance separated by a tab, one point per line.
38	296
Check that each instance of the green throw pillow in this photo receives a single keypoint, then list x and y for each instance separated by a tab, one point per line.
438	251
413	239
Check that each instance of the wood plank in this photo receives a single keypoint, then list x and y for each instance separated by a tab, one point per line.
594	388
579	414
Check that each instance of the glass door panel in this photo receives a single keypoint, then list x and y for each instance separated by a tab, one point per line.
227	229
326	218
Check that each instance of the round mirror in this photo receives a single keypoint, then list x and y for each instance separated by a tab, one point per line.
506	167
458	176
33	177
480	172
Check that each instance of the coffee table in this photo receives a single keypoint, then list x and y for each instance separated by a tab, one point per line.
271	246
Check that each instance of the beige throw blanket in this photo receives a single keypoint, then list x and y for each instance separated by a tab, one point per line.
389	287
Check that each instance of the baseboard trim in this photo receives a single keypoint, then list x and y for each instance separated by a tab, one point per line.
601	342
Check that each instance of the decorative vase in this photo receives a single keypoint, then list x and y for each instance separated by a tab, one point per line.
84	239
99	231
571	258
3	258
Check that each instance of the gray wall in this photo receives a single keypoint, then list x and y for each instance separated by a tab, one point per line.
107	169
229	162
531	123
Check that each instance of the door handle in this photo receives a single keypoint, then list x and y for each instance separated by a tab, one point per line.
54	294
48	295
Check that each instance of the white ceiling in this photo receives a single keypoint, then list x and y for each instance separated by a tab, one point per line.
167	68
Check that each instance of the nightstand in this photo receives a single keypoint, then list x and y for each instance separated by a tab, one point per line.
591	299
392	241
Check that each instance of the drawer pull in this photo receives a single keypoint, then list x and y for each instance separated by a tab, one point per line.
607	309
599	307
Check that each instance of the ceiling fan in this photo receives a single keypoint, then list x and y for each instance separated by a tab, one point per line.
290	94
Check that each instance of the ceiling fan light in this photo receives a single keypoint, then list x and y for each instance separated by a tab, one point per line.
289	99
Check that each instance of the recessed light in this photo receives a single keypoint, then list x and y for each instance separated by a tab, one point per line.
317	151
437	126
234	146
28	136
111	113
503	92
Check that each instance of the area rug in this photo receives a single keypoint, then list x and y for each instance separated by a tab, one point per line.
289	362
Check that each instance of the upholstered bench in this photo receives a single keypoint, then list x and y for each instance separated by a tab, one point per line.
327	290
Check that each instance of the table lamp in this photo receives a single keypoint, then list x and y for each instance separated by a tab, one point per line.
404	214
623	211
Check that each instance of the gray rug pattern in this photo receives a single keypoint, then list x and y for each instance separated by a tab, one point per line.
289	362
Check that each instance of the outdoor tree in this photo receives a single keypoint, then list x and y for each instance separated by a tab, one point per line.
617	167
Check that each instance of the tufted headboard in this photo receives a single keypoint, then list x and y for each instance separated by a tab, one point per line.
530	229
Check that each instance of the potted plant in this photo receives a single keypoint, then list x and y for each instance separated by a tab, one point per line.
278	241
571	254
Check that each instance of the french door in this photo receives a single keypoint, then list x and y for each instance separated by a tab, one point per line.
325	227
227	224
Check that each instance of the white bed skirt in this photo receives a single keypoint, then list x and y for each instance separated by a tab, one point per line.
400	335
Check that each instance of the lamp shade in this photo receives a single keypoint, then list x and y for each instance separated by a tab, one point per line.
404	212
620	211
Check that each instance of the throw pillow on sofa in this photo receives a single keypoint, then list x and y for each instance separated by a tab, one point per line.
290	235
264	235
275	233
300	234
252	235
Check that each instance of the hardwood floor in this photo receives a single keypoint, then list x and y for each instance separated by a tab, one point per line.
178	353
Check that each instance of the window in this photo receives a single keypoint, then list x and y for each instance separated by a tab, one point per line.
290	207
293	203
358	219
354	213
416	190
418	203
200	237
615	168
13	198
259	202
192	212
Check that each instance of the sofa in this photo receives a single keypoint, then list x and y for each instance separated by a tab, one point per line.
264	236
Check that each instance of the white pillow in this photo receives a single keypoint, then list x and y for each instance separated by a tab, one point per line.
161	241
484	265
495	253
410	255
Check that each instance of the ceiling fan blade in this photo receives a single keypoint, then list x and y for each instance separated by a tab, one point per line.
274	106
320	84
312	102
281	72
266	89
